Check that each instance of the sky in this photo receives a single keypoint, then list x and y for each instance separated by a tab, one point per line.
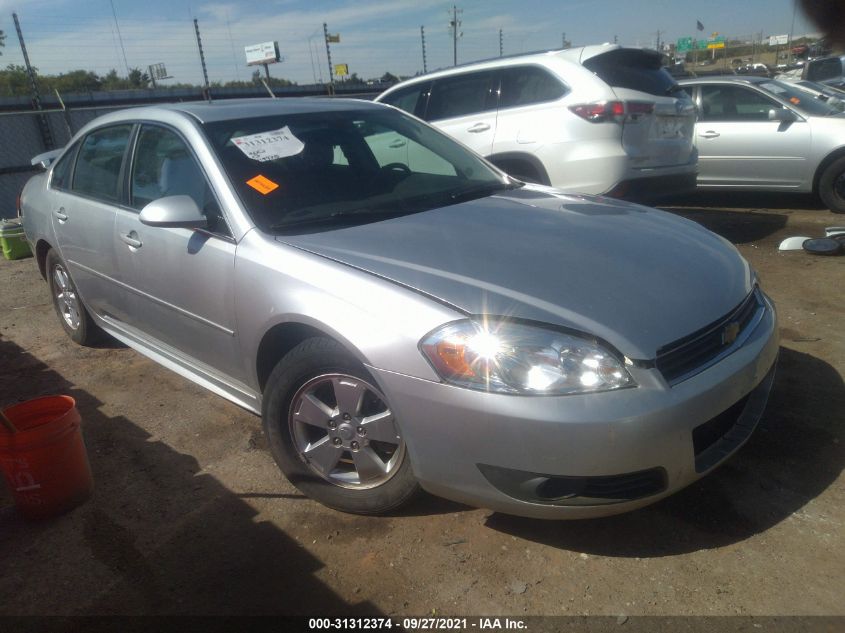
376	36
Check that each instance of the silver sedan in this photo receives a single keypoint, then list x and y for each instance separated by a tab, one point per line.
755	133
426	322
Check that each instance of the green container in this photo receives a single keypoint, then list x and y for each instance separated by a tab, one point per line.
12	240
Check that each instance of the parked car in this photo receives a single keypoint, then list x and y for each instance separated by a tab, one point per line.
768	135
834	97
596	119
407	322
826	70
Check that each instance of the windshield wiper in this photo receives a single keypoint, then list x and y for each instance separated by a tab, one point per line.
482	191
363	213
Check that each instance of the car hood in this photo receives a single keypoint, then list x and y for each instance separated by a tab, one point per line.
636	277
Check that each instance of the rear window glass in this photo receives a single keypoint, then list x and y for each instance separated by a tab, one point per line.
98	165
525	85
633	69
461	95
61	172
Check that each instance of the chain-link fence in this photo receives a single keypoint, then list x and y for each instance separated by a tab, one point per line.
22	138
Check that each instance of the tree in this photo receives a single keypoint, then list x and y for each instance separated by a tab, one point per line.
389	78
14	81
138	78
2	39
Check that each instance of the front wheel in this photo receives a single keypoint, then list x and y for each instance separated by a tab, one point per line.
332	432
73	315
832	186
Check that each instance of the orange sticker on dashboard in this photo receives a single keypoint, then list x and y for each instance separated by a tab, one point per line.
262	185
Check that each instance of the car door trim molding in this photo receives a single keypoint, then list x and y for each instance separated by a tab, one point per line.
190	315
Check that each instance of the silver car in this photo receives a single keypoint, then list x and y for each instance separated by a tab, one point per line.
428	324
755	133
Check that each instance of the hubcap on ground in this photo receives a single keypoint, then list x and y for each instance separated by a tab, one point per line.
343	429
66	298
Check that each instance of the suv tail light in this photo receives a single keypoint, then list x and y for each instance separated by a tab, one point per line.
602	111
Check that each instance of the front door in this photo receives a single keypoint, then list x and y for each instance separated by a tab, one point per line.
182	279
739	146
464	106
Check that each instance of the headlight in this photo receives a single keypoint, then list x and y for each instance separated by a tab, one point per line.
514	358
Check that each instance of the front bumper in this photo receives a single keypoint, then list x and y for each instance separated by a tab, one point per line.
454	435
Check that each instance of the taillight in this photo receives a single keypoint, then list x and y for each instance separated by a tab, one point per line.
602	111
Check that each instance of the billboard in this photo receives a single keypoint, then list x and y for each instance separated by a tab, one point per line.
778	40
264	53
341	70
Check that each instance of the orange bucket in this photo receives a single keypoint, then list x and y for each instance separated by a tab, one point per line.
45	462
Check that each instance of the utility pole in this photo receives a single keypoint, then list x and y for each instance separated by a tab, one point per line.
455	24
563	40
501	44
657	46
615	39
422	37
329	58
43	125
207	89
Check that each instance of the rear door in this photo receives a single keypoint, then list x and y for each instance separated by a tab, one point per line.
659	115
528	111
464	106
738	146
86	188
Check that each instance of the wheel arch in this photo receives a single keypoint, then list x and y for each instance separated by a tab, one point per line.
42	247
522	157
836	154
282	337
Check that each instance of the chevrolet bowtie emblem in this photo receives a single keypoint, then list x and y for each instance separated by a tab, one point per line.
730	333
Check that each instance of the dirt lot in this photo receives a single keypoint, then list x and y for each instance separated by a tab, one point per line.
190	514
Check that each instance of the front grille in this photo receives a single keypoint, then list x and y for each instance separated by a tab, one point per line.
575	491
687	356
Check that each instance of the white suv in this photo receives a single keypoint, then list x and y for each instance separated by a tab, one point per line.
597	119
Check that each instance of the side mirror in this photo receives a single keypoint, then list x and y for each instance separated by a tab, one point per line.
781	114
173	211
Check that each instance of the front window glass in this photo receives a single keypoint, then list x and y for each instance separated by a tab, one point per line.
734	103
341	167
462	95
97	171
164	166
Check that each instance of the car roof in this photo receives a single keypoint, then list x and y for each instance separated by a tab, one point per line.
229	109
573	55
720	79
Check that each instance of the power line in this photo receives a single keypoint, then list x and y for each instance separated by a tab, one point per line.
119	37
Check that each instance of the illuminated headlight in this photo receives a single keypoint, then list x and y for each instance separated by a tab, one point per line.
515	358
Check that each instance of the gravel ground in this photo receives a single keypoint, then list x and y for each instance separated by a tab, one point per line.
191	516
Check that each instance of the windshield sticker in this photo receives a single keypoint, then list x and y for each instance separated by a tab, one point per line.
262	184
269	145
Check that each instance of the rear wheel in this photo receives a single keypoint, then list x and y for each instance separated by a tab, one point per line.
73	315
832	186
332	432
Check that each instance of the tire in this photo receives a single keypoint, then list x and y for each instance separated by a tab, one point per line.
832	186
332	433
521	170
72	313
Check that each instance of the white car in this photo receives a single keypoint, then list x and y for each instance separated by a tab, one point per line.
597	119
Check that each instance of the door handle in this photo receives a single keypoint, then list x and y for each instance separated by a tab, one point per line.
131	239
709	134
478	127
60	214
397	144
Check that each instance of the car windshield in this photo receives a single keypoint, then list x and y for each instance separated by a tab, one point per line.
799	98
340	167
